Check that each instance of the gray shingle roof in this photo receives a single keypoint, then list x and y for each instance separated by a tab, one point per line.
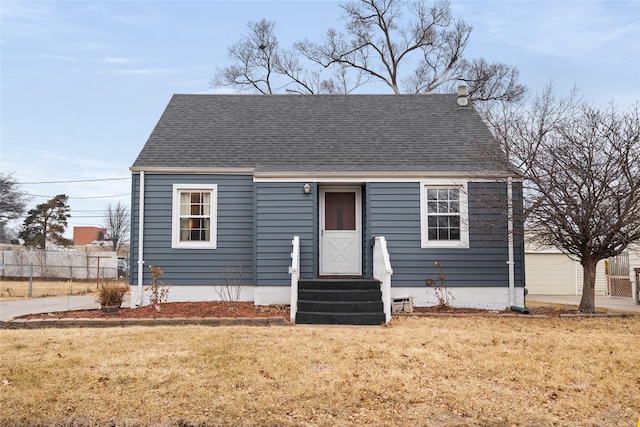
319	133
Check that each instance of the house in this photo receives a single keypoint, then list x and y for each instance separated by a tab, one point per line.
228	188
88	235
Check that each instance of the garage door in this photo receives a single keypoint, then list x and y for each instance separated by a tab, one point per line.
550	274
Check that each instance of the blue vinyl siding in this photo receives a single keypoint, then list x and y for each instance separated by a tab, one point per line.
257	221
194	266
284	211
394	212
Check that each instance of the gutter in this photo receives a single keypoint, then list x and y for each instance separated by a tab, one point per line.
140	241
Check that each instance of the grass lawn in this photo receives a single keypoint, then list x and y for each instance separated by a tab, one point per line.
416	372
11	289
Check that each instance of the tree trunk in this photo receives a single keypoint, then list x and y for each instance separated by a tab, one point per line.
588	301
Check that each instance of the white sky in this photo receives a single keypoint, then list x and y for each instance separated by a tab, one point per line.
83	83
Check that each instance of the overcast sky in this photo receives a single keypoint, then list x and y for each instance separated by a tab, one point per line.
83	83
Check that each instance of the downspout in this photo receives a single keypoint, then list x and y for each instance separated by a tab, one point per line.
512	290
511	262
140	240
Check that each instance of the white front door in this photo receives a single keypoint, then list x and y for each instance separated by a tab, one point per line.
340	231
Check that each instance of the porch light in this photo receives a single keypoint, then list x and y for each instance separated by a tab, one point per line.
306	189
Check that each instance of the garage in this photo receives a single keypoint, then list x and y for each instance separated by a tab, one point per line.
550	274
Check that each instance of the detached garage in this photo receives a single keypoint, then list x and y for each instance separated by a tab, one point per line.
549	272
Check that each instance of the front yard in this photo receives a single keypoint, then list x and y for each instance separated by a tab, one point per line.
417	371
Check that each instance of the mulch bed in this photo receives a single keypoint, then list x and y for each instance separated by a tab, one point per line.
214	309
177	310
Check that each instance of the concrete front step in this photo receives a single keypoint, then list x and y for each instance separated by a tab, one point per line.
315	318
338	284
339	295
341	307
340	302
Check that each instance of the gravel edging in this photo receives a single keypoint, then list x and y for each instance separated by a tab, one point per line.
124	322
524	316
256	321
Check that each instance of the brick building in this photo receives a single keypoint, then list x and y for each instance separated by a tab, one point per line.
87	235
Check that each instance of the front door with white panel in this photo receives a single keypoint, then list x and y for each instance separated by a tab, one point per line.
340	235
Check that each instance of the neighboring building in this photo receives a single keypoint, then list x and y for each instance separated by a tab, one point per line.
88	235
550	272
225	182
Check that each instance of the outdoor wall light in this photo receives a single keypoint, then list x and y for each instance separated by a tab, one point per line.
306	189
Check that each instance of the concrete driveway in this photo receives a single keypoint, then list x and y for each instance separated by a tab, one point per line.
10	309
607	302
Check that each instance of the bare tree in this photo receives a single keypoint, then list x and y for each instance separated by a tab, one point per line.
408	46
581	177
380	42
255	57
13	202
260	65
117	223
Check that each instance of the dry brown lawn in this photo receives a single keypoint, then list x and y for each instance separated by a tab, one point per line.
10	289
415	372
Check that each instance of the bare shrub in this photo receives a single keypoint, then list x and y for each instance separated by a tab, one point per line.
158	290
443	295
233	279
110	294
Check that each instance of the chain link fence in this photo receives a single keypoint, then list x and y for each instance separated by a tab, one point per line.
64	265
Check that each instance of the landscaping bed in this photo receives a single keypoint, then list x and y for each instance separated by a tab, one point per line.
217	309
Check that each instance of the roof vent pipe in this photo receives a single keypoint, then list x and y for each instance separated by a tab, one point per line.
462	100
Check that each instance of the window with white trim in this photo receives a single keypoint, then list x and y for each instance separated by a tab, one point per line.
444	214
194	222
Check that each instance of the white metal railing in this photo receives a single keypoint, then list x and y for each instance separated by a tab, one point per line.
382	271
294	271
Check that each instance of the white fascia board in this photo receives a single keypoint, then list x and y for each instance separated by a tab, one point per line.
359	177
193	171
329	177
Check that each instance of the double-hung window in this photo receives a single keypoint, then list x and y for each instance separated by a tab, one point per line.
444	214
194	220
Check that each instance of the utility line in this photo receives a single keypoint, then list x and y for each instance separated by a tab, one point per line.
79	197
80	180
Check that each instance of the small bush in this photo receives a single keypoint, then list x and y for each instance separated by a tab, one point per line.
444	297
158	290
231	287
110	294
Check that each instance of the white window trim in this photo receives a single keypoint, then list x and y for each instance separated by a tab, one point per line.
175	216
464	214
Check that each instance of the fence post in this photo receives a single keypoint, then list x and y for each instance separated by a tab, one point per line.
636	289
30	292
